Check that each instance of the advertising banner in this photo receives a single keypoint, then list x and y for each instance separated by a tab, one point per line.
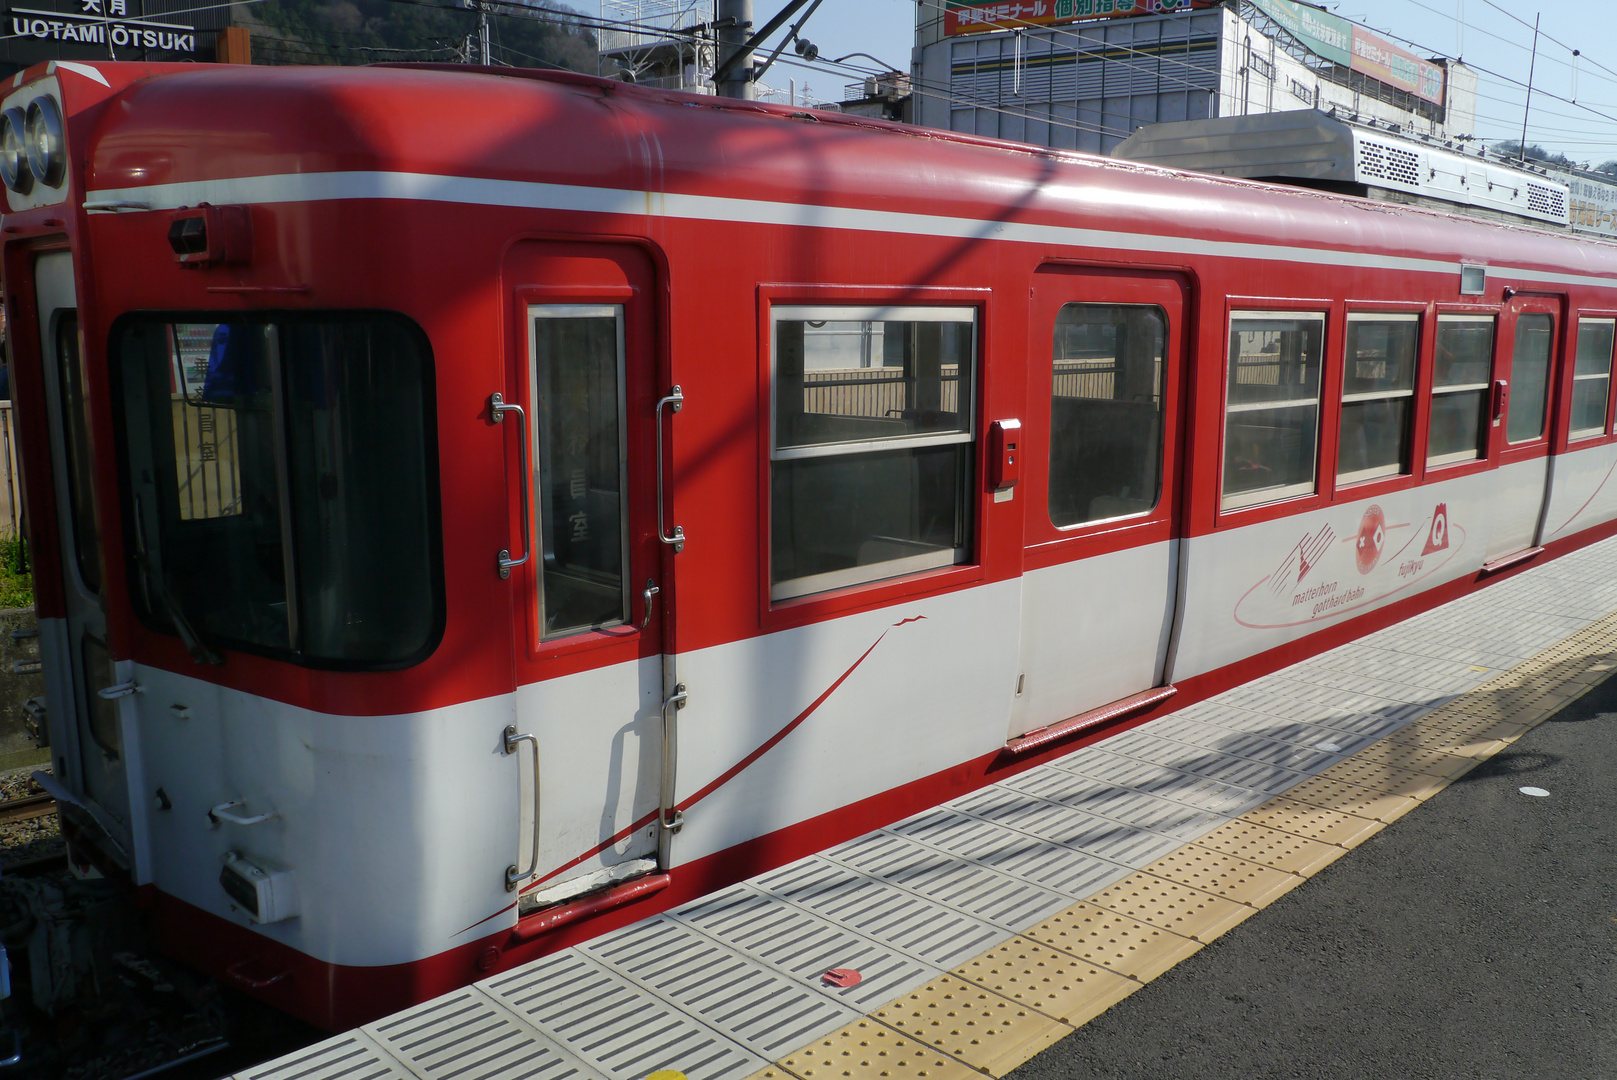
1341	42
960	17
1383	61
1320	32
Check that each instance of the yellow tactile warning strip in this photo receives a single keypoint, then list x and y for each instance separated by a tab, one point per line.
995	1011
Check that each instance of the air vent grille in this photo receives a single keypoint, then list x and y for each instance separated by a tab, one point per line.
1546	200
1382	162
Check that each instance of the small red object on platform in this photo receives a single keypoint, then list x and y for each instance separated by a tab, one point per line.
843	977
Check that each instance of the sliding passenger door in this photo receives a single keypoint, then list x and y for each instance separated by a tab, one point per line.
81	668
1105	387
1529	340
588	572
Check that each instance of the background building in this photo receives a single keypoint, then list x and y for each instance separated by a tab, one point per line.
1085	74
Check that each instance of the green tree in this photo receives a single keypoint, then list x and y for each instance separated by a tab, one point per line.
378	31
1510	148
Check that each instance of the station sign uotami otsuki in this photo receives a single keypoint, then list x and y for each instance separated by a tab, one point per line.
960	17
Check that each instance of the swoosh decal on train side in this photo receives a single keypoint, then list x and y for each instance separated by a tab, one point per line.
723	778
431	187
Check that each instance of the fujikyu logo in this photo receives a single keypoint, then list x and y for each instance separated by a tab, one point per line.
1438	538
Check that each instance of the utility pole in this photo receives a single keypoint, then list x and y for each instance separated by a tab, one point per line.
1531	64
735	30
482	32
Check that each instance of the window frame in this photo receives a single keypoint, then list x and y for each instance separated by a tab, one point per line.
619	310
1484	456
1326	312
799	611
1585	435
811	585
1163	401
1380	313
431	479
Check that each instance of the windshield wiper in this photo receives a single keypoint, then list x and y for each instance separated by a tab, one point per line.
157	583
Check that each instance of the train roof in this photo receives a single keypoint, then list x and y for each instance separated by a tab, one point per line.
174	124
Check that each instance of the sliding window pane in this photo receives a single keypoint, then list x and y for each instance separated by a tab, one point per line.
872	457
1271	425
1378	389
1461	371
1591	377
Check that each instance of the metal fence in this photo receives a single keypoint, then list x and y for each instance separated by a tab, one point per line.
875	391
11	512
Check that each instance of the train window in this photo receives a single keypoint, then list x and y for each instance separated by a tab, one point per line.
76	443
1378	396
1271	412
1591	377
1460	373
1106	412
1529	377
578	465
280	481
871	458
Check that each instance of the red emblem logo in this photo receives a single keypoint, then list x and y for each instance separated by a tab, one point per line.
1438	538
1372	539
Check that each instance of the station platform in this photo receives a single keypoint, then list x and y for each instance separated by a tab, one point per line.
986	929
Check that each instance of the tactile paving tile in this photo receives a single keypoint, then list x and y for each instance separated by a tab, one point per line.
925	930
759	1008
805	946
1314	822
977	1026
1224	875
1177	908
1272	848
466	1036
615	1026
1333	794
1389	779
1050	981
1420	759
868	1050
1112	941
349	1056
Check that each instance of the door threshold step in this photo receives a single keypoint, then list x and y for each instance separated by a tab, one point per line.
1094	718
1507	561
553	918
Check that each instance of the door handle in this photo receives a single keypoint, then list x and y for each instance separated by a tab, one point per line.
649	595
497	408
512	873
1501	397
675	398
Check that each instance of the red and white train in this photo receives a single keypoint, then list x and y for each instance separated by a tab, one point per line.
475	509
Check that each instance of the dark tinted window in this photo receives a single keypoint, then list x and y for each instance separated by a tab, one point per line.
281	481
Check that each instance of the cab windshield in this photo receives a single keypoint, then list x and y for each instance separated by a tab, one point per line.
280	481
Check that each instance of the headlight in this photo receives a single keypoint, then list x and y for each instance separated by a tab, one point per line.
14	152
47	158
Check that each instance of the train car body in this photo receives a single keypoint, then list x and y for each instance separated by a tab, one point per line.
472	510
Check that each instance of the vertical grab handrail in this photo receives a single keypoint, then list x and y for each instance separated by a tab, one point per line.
676	398
497	408
669	820
513	873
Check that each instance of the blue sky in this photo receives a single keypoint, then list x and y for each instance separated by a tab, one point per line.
1489	38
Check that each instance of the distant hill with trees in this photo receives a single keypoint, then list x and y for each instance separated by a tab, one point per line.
377	31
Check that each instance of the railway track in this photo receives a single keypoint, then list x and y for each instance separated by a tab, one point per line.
31	806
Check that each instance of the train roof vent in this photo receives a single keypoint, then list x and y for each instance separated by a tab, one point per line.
1381	161
1546	200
